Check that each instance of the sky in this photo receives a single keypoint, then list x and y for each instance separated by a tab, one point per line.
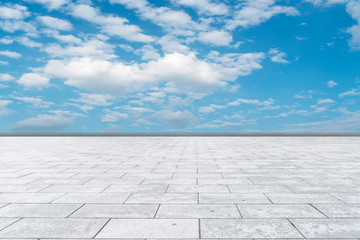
179	66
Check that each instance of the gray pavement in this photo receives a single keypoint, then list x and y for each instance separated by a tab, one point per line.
179	187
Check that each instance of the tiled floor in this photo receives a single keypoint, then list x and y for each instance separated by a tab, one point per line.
179	187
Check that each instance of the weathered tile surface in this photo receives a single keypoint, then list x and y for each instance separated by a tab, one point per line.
53	228
179	188
151	228
247	228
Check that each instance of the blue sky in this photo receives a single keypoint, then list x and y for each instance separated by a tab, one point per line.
179	66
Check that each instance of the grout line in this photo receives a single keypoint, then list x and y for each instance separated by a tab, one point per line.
296	228
10	224
239	210
102	228
157	210
318	210
76	210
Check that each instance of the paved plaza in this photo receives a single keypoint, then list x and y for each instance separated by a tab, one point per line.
179	187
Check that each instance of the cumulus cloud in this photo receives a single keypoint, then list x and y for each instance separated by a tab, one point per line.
206	110
112	116
94	99
3	107
44	122
205	7
115	26
13	11
55	23
50	4
4	77
253	13
331	84
215	37
251	101
178	119
10	54
175	21
181	73
353	9
35	101
277	56
93	47
326	2
33	80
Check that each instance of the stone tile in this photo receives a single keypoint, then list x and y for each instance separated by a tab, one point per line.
75	188
116	211
348	197
4	222
328	228
162	198
177	188
302	198
38	210
150	228
233	198
29	197
247	228
53	228
279	211
258	189
22	188
93	198
197	211
235	181
340	210
138	188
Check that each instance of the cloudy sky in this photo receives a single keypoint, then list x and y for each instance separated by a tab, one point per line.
179	65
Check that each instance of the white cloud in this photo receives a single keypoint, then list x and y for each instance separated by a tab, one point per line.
331	84
251	101
178	119
325	101
326	2
55	23
170	44
216	37
173	21
256	12
10	54
148	52
30	80
28	42
50	4
115	26
18	25
6	40
205	6
36	102
277	56
181	73
112	116
94	48
3	107
4	77
13	11
44	122
352	92
206	110
353	9
94	99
